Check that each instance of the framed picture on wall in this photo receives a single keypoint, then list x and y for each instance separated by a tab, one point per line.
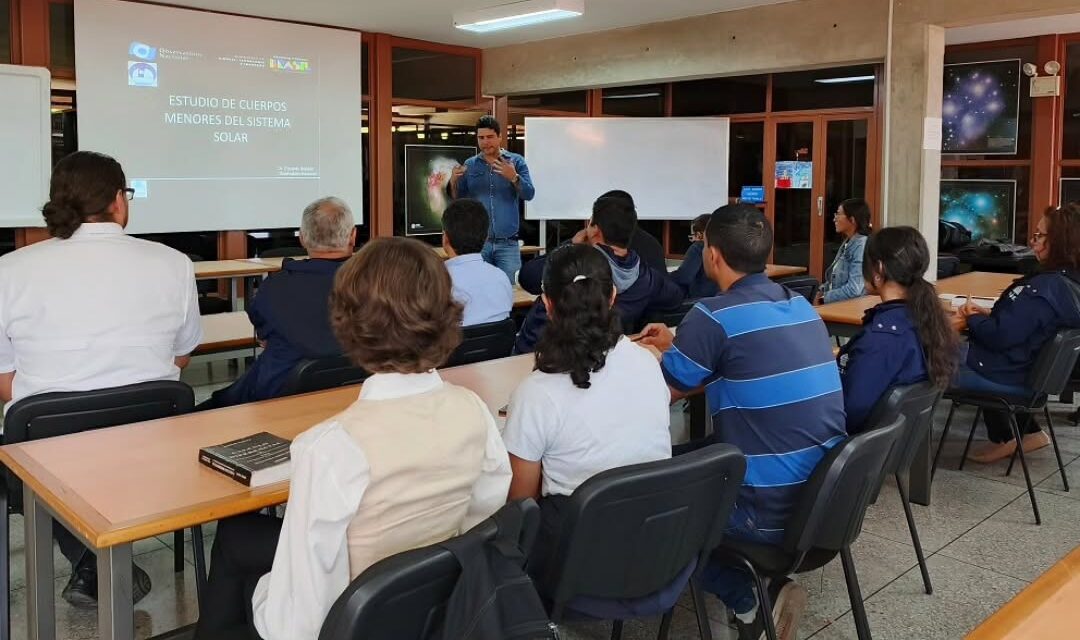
980	108
428	168
986	208
1070	190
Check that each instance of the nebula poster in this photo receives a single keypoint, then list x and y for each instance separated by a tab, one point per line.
428	169
986	208
980	108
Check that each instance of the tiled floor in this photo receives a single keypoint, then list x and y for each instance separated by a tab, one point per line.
979	535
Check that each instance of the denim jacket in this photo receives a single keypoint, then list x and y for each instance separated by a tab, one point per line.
496	193
844	279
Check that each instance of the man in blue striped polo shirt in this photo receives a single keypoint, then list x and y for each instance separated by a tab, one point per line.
764	358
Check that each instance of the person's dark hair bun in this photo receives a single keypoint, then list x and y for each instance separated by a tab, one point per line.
61	218
84	185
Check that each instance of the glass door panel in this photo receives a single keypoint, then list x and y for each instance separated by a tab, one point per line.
793	200
846	144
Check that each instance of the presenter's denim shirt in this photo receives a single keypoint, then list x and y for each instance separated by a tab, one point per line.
844	279
496	193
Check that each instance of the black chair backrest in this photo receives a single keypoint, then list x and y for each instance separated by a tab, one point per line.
629	532
484	342
322	373
673	317
404	597
915	403
1054	366
48	415
829	513
806	286
283	252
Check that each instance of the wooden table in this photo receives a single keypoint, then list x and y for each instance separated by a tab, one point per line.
226	332
526	250
771	270
233	270
113	487
1046	608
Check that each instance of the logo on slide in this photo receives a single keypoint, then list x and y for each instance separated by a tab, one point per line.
142	74
142	51
295	65
141	188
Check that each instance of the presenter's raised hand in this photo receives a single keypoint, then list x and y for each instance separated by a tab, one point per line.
505	169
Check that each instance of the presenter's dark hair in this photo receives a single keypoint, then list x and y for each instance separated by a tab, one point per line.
743	235
489	122
466	223
859	211
900	255
1063	238
83	186
621	195
391	307
583	327
617	221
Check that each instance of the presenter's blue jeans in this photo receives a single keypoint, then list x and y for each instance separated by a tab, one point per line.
504	254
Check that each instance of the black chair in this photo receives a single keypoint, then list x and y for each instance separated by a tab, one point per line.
404	597
49	415
806	286
284	252
1048	377
826	520
322	373
484	342
673	317
915	403
630	532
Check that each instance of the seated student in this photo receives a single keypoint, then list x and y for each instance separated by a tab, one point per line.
1004	343
906	339
596	400
765	360
412	462
92	308
691	274
640	288
480	287
844	278
290	312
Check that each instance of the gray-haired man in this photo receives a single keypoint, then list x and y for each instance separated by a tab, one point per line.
290	311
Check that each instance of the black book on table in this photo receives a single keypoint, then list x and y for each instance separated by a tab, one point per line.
255	460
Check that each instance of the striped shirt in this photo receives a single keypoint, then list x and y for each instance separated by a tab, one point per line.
773	388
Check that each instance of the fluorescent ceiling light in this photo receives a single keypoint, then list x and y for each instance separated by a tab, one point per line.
518	14
845	80
629	96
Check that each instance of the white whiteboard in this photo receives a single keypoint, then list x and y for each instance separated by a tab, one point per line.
675	168
25	145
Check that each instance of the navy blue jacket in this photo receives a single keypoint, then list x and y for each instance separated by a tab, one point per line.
1004	345
640	289
642	243
291	314
885	353
691	274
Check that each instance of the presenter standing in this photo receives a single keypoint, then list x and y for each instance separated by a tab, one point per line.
499	179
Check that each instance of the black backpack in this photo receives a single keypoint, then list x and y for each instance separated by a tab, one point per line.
494	598
952	235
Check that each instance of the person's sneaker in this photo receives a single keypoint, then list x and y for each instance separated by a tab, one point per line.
788	604
81	589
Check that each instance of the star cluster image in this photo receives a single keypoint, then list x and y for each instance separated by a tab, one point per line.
979	108
983	207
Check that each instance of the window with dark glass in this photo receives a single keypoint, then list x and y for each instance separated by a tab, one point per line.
364	69
434	75
62	36
719	96
1071	124
745	165
5	31
824	89
575	101
641	101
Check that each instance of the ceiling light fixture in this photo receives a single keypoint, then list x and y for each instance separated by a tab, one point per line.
518	14
845	80
632	96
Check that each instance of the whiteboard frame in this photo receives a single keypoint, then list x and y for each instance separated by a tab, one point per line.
44	157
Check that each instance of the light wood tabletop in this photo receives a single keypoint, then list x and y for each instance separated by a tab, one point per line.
526	250
208	269
980	284
1046	608
122	484
783	270
226	331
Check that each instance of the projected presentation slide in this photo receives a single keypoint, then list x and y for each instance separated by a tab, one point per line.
220	122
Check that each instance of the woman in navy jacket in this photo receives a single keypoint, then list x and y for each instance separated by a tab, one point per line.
844	278
904	340
1004	343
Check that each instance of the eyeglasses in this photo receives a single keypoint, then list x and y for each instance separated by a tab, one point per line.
1037	236
129	193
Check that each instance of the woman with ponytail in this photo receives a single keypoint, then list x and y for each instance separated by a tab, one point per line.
906	339
595	401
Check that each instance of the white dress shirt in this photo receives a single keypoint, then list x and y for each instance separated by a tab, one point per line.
330	474
100	309
481	288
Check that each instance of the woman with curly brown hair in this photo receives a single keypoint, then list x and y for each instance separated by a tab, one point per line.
412	462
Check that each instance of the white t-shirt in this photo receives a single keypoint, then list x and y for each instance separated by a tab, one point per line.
621	419
98	310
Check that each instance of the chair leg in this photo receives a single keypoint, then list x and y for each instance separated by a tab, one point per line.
616	630
765	606
199	553
971	436
1023	464
941	443
178	551
1057	451
700	611
665	625
858	611
914	535
5	567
